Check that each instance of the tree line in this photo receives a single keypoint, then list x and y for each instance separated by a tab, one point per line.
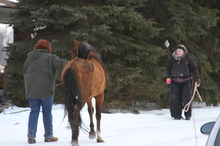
129	35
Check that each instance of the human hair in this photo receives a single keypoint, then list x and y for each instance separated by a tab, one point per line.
43	44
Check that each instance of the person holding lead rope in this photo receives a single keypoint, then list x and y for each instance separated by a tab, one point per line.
179	70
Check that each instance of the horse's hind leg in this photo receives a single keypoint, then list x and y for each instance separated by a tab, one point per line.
75	133
92	133
99	101
75	122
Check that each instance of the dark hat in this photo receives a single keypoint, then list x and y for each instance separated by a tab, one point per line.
182	47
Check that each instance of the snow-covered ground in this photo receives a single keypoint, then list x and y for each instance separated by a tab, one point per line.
149	128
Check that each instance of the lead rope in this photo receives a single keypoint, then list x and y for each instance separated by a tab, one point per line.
186	107
58	84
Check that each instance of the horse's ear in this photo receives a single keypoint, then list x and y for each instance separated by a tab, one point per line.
76	42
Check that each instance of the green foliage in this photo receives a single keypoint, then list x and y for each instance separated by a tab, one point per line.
129	35
192	23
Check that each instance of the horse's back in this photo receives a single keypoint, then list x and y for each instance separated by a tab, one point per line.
90	76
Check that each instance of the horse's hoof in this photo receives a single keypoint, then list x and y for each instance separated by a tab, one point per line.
74	143
100	140
92	135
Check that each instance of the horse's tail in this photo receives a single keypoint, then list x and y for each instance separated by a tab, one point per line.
72	95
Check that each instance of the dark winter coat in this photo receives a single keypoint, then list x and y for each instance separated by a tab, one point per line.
181	68
39	72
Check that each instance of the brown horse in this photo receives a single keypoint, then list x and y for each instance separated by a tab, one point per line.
83	78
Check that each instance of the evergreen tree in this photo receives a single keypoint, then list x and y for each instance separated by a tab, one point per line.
193	23
129	35
115	28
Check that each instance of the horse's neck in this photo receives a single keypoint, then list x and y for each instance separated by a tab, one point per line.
74	56
92	59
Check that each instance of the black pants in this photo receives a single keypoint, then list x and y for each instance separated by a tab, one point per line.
180	96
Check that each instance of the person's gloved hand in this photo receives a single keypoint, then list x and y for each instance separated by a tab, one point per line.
168	80
198	81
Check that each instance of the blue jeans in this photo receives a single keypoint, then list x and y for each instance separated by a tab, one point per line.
35	104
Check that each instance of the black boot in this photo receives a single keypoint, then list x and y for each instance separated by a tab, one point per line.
177	118
188	117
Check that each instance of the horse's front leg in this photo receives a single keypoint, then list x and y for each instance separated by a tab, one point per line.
99	101
92	133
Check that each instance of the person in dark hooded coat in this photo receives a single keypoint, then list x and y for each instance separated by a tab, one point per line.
179	71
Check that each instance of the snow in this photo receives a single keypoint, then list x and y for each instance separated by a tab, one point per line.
15	1
6	37
149	128
1	4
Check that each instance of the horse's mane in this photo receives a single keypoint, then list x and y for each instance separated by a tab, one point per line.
83	50
86	51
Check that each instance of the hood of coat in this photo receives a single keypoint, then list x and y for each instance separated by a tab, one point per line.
179	58
35	54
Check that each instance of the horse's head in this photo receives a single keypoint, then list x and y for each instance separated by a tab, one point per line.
75	49
83	52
